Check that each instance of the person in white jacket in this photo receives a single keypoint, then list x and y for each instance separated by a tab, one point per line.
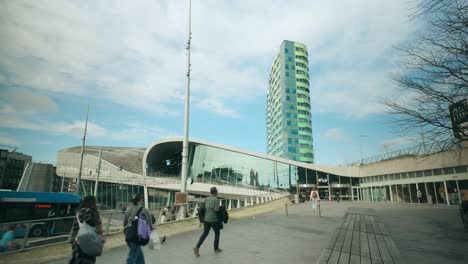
315	198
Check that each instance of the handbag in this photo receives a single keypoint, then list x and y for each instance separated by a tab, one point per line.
89	239
155	242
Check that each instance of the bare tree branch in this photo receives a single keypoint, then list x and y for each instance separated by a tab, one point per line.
434	72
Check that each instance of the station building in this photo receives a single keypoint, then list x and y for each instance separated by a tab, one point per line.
252	177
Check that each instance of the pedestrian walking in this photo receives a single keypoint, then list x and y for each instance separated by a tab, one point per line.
210	221
7	241
135	254
88	214
419	194
50	223
315	199
337	196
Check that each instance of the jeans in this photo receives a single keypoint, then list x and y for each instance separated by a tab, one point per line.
314	203
135	254
206	229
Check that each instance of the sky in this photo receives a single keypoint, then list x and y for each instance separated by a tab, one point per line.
127	61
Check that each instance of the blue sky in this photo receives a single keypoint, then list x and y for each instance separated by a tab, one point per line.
126	59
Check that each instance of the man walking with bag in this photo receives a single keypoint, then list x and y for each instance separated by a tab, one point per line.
210	220
135	211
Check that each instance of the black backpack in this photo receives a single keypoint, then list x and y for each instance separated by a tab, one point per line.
131	231
201	213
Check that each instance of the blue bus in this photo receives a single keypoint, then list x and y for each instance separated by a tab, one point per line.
26	206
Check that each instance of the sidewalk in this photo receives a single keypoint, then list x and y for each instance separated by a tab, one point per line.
299	237
422	233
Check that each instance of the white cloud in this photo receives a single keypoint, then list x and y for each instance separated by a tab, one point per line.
9	141
335	134
24	101
130	132
132	53
216	106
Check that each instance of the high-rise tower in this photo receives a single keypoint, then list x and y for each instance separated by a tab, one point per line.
289	121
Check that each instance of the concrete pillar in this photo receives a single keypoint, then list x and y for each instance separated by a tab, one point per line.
230	204
238	203
195	211
257	200
329	187
145	194
409	191
446	193
391	193
245	202
435	193
371	194
425	189
402	192
417	189
251	200
458	192
352	194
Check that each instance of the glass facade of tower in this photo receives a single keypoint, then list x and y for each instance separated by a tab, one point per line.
289	120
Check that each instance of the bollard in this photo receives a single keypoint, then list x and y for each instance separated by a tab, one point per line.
286	208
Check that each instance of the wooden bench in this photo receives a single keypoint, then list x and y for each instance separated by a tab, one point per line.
360	238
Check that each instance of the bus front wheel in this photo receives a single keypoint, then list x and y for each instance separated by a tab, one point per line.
37	231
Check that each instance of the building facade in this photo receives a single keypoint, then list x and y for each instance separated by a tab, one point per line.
440	178
289	120
12	166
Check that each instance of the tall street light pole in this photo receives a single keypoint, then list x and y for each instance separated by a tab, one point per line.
78	181
182	196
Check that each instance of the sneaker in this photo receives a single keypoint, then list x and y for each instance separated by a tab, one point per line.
218	250
195	251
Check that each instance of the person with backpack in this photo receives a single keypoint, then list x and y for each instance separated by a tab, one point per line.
210	221
314	197
88	214
137	229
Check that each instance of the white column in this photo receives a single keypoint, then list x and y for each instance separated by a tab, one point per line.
435	193
417	189
409	191
352	194
230	204
195	211
245	202
238	203
391	193
251	200
145	193
372	194
446	193
427	193
257	200
402	192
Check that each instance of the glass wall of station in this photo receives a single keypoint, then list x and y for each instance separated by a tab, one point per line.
426	187
118	196
214	165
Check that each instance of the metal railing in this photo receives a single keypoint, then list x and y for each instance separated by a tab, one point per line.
423	149
50	231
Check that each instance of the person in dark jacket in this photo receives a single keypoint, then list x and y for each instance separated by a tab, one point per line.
87	213
135	254
210	221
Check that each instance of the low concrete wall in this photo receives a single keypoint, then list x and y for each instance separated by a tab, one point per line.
62	251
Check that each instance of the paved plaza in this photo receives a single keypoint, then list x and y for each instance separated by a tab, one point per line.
421	233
